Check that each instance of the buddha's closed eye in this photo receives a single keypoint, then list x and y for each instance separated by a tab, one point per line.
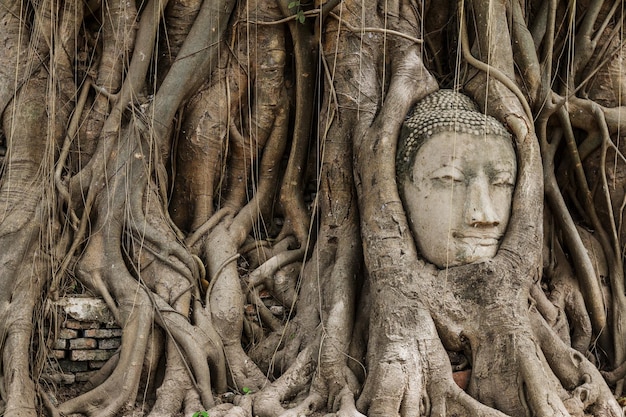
448	175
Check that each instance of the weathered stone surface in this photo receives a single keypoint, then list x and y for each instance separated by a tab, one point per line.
90	355
85	309
83	343
109	343
103	333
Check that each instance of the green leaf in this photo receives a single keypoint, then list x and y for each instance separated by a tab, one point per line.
246	390
301	17
293	4
200	414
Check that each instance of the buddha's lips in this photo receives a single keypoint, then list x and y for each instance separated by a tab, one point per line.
480	239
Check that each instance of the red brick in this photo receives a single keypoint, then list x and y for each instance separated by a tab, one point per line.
83	343
57	354
67	334
103	333
91	355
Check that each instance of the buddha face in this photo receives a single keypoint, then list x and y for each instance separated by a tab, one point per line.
458	196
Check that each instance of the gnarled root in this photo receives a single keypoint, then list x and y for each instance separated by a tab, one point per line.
268	402
136	312
322	329
587	389
149	277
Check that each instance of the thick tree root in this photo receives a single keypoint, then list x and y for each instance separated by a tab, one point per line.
175	386
412	375
18	386
588	390
269	402
31	125
23	284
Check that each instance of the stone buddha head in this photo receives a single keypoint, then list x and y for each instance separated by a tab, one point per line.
456	170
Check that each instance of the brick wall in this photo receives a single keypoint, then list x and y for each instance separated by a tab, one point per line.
86	339
88	336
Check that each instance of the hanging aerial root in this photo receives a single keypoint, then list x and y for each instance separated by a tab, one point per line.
581	259
32	128
291	190
17	67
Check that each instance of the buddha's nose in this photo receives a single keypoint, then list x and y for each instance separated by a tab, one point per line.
479	207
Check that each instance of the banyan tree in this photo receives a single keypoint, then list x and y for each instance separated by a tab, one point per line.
266	196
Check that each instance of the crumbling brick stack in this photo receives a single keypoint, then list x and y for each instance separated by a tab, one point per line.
87	337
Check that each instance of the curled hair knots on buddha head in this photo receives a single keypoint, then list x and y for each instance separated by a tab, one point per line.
440	112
